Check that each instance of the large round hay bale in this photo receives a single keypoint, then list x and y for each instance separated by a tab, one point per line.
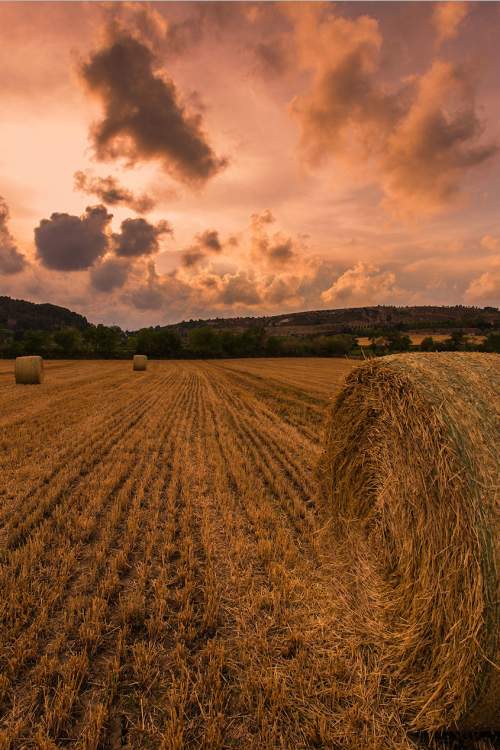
411	474
140	362
29	370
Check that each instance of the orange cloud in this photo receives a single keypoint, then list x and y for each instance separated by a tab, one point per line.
430	150
417	143
11	260
362	285
447	17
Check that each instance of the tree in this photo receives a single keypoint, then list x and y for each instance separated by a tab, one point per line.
492	343
205	342
169	343
428	345
68	341
147	342
254	340
35	342
106	340
274	346
232	343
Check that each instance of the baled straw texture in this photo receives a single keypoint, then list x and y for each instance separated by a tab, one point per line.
411	473
29	370
140	362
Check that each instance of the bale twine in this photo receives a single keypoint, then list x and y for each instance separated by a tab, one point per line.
29	370
140	362
411	474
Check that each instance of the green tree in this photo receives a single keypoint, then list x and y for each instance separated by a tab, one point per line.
274	346
254	340
169	343
147	342
106	340
232	343
205	342
491	344
36	342
68	341
428	345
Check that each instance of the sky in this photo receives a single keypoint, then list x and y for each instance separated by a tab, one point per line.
173	160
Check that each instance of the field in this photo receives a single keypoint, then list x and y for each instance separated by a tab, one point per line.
164	582
417	338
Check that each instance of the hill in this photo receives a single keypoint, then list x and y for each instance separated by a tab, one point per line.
424	318
16	314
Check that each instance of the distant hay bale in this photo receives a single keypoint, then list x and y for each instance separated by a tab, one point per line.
140	362
411	474
29	370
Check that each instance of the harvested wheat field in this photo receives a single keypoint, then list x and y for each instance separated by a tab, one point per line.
164	576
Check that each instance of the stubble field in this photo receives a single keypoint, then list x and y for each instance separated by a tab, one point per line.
164	582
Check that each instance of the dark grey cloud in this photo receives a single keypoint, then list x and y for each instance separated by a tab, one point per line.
209	239
109	191
73	243
110	274
144	119
139	237
281	251
206	243
192	256
11	260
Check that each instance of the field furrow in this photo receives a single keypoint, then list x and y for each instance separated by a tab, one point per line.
163	582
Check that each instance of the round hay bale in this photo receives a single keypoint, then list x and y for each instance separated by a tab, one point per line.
140	362
411	474
29	370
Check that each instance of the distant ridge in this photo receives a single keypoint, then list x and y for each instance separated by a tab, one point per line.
345	320
21	314
18	313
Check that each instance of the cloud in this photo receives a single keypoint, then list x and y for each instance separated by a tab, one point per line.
192	256
491	243
485	289
206	243
447	17
109	191
72	243
273	251
362	285
111	274
431	149
11	260
209	240
238	289
139	237
417	142
144	119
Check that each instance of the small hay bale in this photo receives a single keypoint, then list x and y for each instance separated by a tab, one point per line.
29	370
411	475
140	362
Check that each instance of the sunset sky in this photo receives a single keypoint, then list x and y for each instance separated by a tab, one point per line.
167	161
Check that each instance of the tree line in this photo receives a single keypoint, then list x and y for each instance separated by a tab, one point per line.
109	342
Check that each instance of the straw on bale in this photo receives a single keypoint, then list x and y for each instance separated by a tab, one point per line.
411	475
140	362
29	370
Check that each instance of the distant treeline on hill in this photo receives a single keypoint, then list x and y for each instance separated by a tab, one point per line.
55	332
110	342
18	314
